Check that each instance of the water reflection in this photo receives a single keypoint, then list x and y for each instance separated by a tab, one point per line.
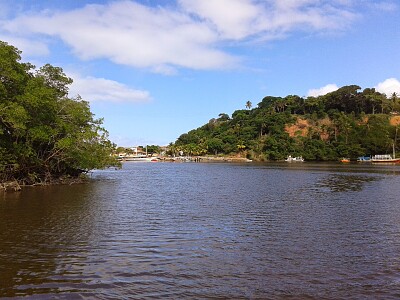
198	231
345	182
40	226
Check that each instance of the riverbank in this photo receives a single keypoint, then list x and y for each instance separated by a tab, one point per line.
16	186
204	159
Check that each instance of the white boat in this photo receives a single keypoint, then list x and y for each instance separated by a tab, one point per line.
140	158
294	159
386	158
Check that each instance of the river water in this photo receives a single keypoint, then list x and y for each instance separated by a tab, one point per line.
206	231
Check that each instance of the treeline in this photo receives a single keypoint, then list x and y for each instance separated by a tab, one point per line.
44	134
348	122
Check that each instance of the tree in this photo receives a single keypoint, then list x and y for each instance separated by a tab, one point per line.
376	134
44	134
295	104
215	145
394	97
151	149
395	102
374	100
269	101
248	104
344	99
313	104
343	124
223	117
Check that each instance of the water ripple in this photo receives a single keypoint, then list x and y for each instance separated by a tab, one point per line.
206	231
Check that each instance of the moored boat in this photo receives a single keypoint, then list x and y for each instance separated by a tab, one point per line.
345	160
294	159
140	158
364	159
384	158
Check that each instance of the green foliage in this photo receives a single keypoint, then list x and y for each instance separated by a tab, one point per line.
343	123
44	134
151	149
377	135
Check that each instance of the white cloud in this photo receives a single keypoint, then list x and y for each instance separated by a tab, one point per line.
323	90
131	34
30	47
188	35
100	89
242	19
389	86
232	18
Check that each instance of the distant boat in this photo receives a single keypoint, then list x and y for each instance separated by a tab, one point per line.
364	159
345	160
140	158
386	158
294	159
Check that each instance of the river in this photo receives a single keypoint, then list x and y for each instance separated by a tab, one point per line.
207	231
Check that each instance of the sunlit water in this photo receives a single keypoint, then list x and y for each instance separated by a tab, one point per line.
207	231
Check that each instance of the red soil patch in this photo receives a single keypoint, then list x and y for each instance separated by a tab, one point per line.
300	128
395	121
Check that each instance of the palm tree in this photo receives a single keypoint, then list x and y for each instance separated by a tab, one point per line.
394	97
248	104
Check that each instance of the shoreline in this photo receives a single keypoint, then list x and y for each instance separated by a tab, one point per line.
204	159
17	186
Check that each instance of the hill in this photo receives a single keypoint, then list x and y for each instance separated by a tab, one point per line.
349	122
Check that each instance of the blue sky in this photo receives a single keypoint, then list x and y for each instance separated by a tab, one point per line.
156	69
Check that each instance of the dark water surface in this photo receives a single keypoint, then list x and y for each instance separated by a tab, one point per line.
207	231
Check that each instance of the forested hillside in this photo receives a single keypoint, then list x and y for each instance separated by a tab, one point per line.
348	122
44	134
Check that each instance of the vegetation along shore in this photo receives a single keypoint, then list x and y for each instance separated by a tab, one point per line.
45	136
349	122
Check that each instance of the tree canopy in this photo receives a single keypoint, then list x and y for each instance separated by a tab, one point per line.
348	122
45	134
